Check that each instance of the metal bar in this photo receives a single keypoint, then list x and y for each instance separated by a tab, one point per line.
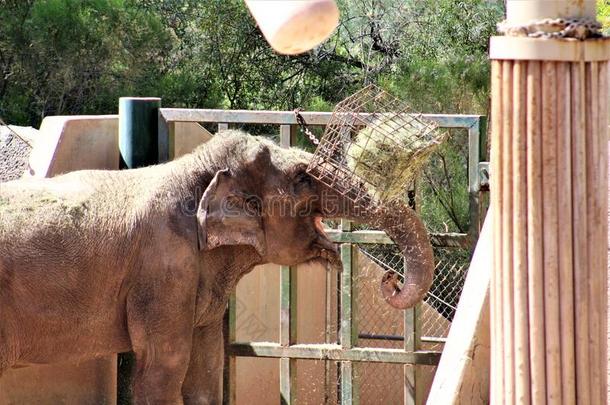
287	117
477	152
346	329
334	352
287	388
165	139
229	373
461	240
348	393
410	378
398	338
288	313
348	325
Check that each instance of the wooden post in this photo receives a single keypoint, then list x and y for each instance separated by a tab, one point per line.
549	192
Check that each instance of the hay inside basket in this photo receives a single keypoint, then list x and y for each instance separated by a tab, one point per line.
389	152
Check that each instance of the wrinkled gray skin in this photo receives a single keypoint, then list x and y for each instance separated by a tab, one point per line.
99	262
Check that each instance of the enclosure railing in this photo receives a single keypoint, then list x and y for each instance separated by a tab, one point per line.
345	351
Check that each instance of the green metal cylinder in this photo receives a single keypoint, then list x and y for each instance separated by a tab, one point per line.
138	147
138	124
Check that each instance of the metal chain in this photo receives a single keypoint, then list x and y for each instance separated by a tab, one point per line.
303	127
579	28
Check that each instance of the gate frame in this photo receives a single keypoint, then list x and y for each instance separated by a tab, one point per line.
345	351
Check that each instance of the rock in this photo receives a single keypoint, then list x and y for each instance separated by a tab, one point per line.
15	151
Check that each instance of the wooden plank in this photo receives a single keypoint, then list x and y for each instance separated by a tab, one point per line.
534	242
579	218
506	229
287	117
334	352
467	346
550	231
496	315
603	179
564	192
222	126
519	175
594	219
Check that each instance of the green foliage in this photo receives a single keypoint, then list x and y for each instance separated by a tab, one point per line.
80	56
603	15
75	56
443	186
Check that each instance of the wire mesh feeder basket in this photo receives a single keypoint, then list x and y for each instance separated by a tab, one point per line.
373	147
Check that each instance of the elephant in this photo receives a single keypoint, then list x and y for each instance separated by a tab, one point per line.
96	262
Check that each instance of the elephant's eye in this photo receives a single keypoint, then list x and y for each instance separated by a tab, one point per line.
302	180
253	203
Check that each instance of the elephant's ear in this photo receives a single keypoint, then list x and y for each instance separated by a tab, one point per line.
226	216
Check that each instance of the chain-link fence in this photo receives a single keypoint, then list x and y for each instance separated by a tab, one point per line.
442	201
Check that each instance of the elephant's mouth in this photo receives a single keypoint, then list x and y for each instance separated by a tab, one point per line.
327	250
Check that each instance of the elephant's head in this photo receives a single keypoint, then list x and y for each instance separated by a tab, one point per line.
261	195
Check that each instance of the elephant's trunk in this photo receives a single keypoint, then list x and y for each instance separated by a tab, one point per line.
405	228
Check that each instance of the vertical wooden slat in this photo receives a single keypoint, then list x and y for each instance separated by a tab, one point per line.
519	178
564	191
534	234
603	198
507	209
579	212
550	232
222	126
594	218
497	356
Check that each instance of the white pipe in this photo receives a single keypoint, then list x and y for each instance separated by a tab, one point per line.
295	26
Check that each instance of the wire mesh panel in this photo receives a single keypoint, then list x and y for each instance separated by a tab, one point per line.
380	324
373	147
